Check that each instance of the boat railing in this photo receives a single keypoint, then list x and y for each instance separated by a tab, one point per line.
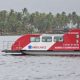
6	45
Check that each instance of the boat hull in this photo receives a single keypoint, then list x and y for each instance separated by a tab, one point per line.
51	53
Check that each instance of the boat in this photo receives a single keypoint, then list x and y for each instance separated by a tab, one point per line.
48	44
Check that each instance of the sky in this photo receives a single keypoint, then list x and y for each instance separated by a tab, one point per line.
54	6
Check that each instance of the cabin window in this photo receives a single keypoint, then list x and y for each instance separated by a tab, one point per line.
46	39
35	39
77	35
58	38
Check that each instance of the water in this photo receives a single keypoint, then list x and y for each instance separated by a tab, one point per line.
39	68
14	67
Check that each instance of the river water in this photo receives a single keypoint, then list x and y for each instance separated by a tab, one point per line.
17	67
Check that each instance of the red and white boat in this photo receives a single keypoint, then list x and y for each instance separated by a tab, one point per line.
42	43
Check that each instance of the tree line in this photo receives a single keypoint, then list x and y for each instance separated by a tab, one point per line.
14	23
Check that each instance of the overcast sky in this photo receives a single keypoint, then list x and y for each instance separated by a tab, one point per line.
54	6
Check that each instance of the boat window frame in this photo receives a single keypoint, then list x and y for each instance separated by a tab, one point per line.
36	39
46	38
60	39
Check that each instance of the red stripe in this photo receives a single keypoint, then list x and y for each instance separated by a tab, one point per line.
21	42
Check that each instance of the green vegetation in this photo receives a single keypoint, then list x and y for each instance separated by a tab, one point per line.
14	23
